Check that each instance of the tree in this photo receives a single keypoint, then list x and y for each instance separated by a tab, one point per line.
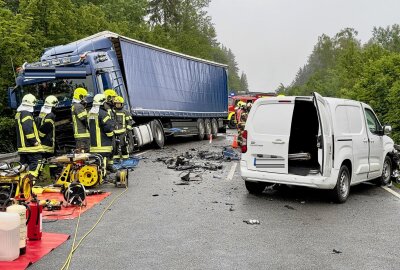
244	86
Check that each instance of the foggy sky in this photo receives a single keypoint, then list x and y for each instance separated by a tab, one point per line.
272	39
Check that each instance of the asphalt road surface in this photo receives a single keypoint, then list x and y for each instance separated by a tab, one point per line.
158	224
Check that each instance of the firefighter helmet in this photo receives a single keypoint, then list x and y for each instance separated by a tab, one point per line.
110	94
119	102
51	101
99	99
29	100
80	93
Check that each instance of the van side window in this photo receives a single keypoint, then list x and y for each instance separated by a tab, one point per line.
373	124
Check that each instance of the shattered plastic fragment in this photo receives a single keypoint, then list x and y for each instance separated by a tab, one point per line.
252	221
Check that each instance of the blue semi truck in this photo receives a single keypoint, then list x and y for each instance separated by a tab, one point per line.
168	93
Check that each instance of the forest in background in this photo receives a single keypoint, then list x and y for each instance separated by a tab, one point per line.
27	27
342	66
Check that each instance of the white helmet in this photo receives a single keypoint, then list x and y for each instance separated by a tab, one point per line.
99	99
29	100
51	101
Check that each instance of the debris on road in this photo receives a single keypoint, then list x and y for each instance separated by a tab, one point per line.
231	209
190	161
335	251
252	221
191	176
155	195
289	207
217	176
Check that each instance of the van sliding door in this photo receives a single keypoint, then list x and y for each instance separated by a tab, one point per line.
324	135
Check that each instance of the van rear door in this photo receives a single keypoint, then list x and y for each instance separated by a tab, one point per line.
324	135
268	128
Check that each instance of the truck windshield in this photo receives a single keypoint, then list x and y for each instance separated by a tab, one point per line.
63	89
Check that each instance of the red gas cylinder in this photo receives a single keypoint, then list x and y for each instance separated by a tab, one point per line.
35	221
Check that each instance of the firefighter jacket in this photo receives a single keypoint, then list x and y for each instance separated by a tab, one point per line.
79	120
123	121
101	128
27	133
47	131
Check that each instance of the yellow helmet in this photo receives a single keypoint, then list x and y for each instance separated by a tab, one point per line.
119	102
119	99
51	101
80	93
110	94
241	103
99	99
29	100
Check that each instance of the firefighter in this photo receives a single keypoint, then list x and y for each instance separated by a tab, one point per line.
46	124
110	95
123	122
101	129
240	113
79	120
28	141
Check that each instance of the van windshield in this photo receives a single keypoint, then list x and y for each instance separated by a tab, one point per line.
63	89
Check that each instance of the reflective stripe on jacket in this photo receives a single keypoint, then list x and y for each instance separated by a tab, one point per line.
47	131
79	120
101	131
27	133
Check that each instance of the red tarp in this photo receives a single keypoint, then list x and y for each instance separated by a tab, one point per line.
35	250
69	212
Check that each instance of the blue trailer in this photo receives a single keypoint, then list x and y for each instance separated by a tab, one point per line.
168	93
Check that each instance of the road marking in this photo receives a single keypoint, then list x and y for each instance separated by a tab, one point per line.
394	193
141	153
232	171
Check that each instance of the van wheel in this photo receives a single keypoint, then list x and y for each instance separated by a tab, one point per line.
214	127
201	129
158	134
255	187
386	173
207	128
342	189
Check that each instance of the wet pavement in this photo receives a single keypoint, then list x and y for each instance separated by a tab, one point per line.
161	224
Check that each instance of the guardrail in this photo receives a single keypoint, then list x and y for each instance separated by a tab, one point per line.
8	156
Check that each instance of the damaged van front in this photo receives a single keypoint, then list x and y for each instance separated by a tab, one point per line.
313	142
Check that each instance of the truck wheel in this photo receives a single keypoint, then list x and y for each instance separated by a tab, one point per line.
158	134
207	128
214	127
232	123
342	189
201	128
255	187
386	173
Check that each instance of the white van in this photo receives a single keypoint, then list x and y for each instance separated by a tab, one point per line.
318	142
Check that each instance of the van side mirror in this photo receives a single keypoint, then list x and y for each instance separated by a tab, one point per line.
387	130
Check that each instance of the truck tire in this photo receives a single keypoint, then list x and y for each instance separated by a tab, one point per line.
214	127
158	134
342	189
201	129
207	128
255	187
386	173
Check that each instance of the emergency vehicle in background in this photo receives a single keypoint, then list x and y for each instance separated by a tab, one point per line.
234	100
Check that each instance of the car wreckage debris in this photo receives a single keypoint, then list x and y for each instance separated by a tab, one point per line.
190	161
252	221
